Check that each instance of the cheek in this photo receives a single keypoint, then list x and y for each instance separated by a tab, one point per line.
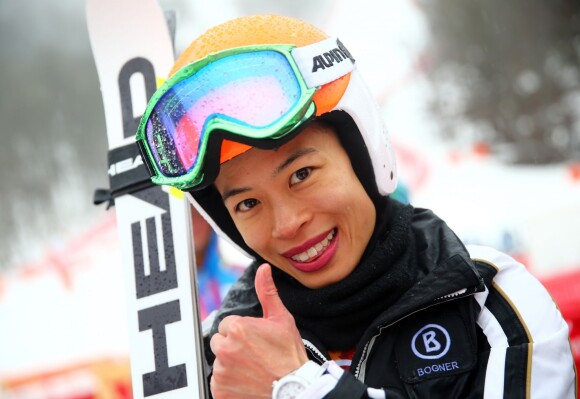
357	206
340	197
253	232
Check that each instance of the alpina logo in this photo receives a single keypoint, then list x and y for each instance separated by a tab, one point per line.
329	58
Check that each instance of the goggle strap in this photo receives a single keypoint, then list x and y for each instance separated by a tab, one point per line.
323	62
127	174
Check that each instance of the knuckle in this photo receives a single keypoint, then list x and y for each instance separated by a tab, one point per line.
289	319
237	329
215	342
218	378
216	389
226	355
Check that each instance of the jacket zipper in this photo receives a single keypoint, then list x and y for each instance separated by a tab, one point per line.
360	370
314	351
453	295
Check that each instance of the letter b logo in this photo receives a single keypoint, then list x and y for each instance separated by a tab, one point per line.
434	343
431	343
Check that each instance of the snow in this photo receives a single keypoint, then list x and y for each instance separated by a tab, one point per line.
67	309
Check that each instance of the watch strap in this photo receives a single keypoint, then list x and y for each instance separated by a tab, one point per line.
309	371
316	379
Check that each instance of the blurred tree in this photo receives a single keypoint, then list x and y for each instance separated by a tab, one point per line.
508	73
53	151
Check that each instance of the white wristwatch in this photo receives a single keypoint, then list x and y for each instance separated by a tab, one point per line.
293	384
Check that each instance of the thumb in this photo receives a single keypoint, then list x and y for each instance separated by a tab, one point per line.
272	305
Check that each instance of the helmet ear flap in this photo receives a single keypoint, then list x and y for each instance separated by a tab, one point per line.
360	105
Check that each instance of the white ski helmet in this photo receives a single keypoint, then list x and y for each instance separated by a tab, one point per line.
344	101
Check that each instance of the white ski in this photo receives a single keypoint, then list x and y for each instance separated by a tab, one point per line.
132	48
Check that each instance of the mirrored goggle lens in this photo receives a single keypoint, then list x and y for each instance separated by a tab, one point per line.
254	89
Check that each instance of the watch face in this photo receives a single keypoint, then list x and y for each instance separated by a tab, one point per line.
289	389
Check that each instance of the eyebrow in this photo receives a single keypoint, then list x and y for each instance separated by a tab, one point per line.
287	162
234	191
293	157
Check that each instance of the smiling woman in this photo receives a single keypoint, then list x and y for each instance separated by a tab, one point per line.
301	207
352	294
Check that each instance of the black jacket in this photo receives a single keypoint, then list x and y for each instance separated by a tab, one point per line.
430	343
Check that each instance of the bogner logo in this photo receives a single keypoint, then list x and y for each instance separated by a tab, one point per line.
431	342
329	58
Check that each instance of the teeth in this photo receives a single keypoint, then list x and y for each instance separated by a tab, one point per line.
314	250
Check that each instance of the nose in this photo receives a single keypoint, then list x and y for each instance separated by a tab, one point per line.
289	216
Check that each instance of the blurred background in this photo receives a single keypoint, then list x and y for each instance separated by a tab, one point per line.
482	100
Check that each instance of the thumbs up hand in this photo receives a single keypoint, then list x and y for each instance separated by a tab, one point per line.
253	352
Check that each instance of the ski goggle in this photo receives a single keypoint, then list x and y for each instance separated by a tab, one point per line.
253	95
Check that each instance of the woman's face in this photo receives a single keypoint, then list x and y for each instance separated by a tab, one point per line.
301	206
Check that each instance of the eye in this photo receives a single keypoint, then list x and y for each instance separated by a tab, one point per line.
246	205
300	175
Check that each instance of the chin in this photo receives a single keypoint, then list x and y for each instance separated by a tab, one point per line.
321	281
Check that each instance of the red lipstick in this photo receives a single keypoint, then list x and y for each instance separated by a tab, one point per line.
320	260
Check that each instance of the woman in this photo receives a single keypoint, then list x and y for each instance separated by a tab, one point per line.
279	145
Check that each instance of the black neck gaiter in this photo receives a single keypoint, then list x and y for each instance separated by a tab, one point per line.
339	314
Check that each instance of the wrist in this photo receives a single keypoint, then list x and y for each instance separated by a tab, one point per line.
293	384
309	381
